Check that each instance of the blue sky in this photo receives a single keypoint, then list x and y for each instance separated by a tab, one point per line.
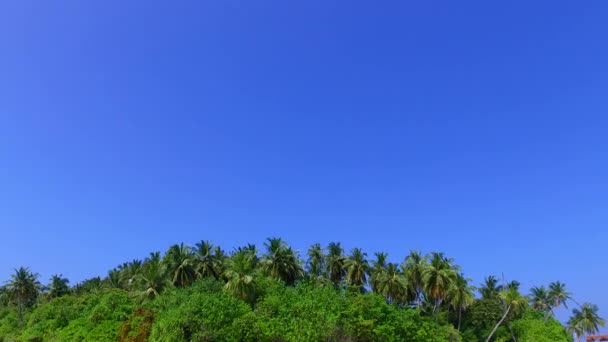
473	128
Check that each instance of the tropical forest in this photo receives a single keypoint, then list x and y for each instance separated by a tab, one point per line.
275	293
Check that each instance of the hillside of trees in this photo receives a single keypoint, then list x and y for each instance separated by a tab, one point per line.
203	293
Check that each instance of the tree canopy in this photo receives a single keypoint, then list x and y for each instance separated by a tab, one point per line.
202	293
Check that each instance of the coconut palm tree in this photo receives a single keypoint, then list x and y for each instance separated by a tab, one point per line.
280	261
514	303
539	298
206	262
489	289
152	279
58	286
335	263
585	320
460	295
23	288
356	266
316	260
413	267
240	275
437	277
377	270
558	296
392	284
180	265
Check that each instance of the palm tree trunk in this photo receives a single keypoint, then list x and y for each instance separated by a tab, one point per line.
459	317
499	323
20	312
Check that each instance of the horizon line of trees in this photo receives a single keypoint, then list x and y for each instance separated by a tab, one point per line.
432	284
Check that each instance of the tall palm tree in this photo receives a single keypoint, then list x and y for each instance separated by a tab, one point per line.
240	275
539	298
392	284
335	263
180	264
513	302
413	267
377	270
585	321
206	262
153	277
251	250
356	266
280	261
220	259
489	289
460	295
316	260
438	276
24	288
58	286
558	295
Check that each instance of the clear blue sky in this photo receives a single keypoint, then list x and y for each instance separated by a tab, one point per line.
475	128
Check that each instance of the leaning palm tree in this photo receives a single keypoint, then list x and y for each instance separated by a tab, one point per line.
58	286
180	264
460	295
356	266
335	263
413	267
438	276
392	284
152	279
206	262
240	275
513	303
585	320
377	270
23	288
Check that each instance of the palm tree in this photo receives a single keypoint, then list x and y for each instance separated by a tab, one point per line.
460	295
251	250
513	302
377	270
206	261
180	264
539	298
316	260
413	267
153	277
585	321
558	295
489	289
438	276
280	261
356	266
23	288
335	263
392	284
240	276
58	286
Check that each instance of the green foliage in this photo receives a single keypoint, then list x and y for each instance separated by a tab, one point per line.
199	313
533	328
304	313
203	294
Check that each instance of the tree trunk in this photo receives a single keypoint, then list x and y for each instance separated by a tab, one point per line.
459	318
20	312
498	324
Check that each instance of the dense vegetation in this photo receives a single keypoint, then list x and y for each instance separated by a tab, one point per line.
205	294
